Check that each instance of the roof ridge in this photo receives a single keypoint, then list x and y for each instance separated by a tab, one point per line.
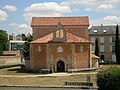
62	17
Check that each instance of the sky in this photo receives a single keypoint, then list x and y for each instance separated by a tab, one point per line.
16	15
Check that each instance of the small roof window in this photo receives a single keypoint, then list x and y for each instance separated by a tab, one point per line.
104	31
95	31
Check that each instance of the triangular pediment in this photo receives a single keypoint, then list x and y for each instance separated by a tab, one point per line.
59	34
59	27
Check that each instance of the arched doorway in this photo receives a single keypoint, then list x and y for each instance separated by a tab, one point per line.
60	66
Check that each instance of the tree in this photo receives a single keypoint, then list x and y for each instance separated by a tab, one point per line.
23	37
117	45
109	78
26	47
3	41
96	47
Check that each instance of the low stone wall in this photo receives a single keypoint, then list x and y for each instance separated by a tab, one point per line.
10	60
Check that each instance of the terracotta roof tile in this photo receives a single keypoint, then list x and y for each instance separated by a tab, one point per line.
43	21
73	38
44	39
70	38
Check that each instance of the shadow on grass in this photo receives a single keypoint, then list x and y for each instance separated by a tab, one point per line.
17	70
22	71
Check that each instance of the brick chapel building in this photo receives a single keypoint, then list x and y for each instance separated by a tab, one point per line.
61	44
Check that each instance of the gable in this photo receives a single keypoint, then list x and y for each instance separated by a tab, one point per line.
59	34
71	38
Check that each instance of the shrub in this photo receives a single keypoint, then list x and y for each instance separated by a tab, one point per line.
109	79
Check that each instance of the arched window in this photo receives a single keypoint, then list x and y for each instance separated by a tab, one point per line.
81	48
59	34
39	48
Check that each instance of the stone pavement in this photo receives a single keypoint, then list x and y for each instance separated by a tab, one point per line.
23	88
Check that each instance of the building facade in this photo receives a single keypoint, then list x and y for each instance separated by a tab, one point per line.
106	39
60	44
15	42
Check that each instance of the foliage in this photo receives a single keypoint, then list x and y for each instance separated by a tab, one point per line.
26	48
117	46
23	37
109	79
96	47
3	41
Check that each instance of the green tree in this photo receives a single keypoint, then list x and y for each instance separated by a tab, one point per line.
117	45
109	78
3	41
96	47
26	48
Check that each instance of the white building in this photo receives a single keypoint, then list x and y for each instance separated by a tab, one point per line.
106	40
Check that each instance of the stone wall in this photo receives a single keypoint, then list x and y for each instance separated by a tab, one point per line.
10	60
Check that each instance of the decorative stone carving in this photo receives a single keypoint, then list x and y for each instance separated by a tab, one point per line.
60	49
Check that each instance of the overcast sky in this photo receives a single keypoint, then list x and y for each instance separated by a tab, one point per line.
15	15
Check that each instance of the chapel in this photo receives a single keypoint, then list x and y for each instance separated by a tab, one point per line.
61	44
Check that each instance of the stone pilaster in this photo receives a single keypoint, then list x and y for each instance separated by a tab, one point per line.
73	55
48	56
90	58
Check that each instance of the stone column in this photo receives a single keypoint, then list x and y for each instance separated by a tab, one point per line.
90	53
31	56
48	63
73	55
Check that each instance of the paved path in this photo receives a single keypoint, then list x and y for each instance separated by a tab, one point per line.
14	88
53	74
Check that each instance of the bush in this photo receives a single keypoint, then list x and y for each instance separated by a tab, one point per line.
109	79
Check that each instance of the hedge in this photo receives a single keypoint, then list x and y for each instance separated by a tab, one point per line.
109	79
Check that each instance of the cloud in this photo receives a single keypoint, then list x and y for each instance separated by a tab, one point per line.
46	9
88	2
105	7
78	2
3	16
9	8
22	28
13	25
88	9
108	20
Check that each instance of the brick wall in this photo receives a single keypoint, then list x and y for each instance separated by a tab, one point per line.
81	31
38	59
82	58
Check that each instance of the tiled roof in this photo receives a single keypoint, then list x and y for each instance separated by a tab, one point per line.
44	39
48	21
70	38
11	53
73	38
94	56
102	30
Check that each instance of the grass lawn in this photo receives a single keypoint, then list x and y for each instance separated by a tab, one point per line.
43	81
39	80
56	81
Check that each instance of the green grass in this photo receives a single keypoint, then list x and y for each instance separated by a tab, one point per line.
56	81
44	81
39	80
